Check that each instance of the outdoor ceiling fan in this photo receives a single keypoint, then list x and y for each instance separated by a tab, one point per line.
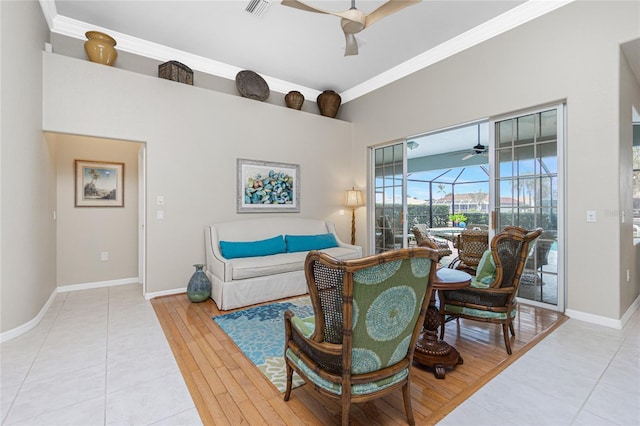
353	20
479	149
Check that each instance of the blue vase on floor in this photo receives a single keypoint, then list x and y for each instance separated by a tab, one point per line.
199	287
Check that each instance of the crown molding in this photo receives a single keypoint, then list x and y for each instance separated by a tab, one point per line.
517	16
76	29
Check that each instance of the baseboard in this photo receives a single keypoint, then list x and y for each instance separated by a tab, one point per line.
607	322
630	311
155	294
98	284
21	329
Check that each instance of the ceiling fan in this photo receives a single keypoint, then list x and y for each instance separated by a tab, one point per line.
479	149
353	20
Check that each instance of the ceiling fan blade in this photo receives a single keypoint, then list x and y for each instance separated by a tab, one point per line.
352	45
302	6
466	157
390	7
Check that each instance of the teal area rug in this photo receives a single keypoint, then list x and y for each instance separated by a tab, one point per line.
259	333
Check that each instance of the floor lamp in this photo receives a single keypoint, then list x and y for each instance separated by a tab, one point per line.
353	199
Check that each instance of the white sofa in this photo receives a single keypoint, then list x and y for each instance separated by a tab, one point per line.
246	281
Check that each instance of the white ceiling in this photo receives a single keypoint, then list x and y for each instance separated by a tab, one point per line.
293	49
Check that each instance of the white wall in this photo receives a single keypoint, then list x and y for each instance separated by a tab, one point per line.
84	232
194	137
571	54
27	169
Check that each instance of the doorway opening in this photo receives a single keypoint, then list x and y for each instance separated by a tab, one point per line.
98	246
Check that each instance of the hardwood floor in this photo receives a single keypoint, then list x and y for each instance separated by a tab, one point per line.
229	390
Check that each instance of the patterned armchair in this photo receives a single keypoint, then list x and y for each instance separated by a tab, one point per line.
424	239
368	314
491	295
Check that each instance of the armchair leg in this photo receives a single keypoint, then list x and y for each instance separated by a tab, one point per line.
287	393
406	395
511	329
346	403
505	333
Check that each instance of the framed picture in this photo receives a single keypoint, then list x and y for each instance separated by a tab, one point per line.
99	184
268	187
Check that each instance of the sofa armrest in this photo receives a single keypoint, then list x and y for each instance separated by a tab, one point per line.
332	229
216	264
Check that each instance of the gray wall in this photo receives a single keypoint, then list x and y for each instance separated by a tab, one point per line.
193	137
571	54
28	173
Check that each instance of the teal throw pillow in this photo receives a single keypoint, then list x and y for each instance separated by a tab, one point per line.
297	243
486	271
233	249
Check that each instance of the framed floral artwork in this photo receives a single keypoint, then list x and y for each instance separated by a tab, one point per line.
99	184
268	187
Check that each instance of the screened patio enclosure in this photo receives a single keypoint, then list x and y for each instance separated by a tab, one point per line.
444	176
460	190
453	179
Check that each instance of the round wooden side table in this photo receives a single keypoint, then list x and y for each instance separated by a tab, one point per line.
431	351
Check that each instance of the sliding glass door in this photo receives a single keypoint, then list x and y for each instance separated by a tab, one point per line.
389	170
527	192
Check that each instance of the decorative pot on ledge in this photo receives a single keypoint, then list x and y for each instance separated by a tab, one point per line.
100	48
328	103
199	287
294	99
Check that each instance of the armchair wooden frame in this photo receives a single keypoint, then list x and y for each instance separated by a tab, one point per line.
471	244
326	352
496	303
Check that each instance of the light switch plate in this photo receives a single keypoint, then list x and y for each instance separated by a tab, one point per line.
591	216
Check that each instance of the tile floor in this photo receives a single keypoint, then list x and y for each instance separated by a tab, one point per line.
99	357
581	374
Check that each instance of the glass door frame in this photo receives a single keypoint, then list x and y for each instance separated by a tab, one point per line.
561	198
371	198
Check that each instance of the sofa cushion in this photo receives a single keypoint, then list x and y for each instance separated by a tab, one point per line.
251	267
235	249
296	243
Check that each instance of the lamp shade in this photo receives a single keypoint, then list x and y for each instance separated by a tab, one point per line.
354	198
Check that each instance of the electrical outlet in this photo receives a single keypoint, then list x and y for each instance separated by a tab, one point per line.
104	256
591	216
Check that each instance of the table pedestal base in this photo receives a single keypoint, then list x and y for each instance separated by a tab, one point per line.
431	351
435	353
